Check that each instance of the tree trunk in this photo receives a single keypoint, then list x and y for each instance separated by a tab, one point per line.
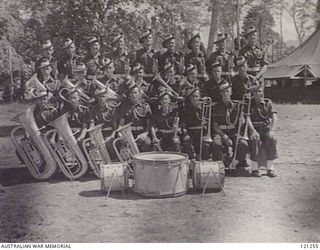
214	26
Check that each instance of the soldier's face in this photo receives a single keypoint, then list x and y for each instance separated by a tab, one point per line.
226	94
259	94
134	95
46	71
74	99
195	98
252	39
165	101
139	74
169	73
221	45
71	50
242	69
108	70
47	53
120	43
148	40
216	73
196	44
103	99
95	48
192	75
171	44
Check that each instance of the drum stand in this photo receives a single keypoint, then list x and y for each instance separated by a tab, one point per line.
217	179
112	176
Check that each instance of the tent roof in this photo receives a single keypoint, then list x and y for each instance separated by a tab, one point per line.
307	54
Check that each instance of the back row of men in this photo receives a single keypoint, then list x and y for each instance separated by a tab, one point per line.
162	97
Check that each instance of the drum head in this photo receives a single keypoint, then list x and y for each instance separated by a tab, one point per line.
160	156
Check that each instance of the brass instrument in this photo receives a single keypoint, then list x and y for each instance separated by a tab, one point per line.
206	113
129	149
164	84
31	146
67	84
175	128
32	84
64	148
96	150
114	102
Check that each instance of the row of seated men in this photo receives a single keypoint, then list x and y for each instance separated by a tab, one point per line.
165	111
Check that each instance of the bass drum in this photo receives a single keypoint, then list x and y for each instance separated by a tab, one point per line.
208	175
160	174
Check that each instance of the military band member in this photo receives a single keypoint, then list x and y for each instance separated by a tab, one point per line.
165	121
146	56
191	81
196	56
47	53
67	62
242	81
168	77
255	55
171	56
94	60
215	78
191	116
222	56
120	57
264	143
225	120
108	78
138	73
134	110
78	115
80	80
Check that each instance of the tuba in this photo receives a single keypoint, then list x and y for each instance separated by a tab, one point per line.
95	150
31	146
64	148
125	151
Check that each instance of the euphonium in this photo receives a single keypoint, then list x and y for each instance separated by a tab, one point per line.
96	150
131	148
31	147
63	146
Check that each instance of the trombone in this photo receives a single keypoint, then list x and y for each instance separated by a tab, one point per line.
206	112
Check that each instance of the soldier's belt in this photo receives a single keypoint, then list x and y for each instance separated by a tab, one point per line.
254	69
107	129
167	131
202	75
136	128
120	75
193	128
227	126
148	75
91	77
227	73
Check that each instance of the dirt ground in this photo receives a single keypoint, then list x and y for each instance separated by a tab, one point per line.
281	209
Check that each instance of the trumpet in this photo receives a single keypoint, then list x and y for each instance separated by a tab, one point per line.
206	113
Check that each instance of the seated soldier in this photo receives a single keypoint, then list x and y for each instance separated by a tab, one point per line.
108	78
138	72
103	112
83	84
263	143
134	110
191	115
165	121
225	120
78	115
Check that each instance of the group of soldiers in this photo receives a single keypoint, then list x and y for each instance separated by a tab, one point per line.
162	96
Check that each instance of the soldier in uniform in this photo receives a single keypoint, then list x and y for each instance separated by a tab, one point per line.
222	56
263	144
47	53
171	56
80	80
134	110
191	116
242	81
255	55
226	117
120	57
215	78
67	62
169	81
78	115
196	56
94	60
191	81
137	73
165	121
146	56
104	112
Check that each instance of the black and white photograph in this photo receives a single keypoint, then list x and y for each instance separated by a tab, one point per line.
152	121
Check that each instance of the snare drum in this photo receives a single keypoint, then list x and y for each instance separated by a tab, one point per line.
208	171
115	173
160	174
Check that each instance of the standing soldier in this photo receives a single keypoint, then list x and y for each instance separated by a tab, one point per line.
67	62
226	119
171	56
196	56
146	56
94	60
222	56
242	81
120	57
215	78
255	55
47	53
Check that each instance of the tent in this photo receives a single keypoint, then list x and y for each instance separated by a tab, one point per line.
302	63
